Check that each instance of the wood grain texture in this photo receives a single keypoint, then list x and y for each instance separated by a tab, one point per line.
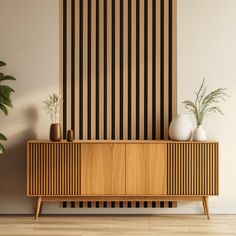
206	207
125	142
103	225
53	169
38	207
115	198
146	169
102	169
192	169
113	171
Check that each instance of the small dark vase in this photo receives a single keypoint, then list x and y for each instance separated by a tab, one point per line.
70	135
55	132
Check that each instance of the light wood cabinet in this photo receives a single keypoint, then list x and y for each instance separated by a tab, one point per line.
102	169
122	171
146	169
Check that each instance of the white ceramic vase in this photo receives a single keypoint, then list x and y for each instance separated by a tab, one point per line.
199	134
181	128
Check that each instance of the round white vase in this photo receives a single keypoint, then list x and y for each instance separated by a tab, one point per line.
181	128
199	134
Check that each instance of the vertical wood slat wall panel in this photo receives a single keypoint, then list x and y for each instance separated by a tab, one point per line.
192	169
119	68
54	169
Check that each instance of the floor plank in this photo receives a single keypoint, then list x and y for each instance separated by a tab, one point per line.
155	225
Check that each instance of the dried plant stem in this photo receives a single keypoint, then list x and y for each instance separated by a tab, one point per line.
52	104
203	104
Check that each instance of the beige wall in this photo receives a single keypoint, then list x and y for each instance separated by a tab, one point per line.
207	48
29	43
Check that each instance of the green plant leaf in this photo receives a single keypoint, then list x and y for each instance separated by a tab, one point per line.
7	77
5	95
5	101
2	137
2	149
5	91
2	63
7	88
4	109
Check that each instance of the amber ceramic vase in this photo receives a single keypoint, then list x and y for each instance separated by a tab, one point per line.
55	132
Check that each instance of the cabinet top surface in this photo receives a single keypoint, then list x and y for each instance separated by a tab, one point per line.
121	141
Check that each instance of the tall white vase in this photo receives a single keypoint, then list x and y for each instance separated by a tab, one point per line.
199	134
181	128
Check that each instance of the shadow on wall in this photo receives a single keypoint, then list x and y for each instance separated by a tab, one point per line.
13	162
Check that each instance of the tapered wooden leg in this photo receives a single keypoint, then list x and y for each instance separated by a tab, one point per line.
203	206
38	207
206	207
41	207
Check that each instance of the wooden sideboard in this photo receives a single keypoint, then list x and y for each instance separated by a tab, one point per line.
122	171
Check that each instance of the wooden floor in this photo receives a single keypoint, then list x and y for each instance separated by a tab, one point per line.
118	225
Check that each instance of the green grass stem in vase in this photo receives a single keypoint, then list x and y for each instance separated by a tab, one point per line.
203	105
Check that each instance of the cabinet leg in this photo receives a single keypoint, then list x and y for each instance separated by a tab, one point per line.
41	208
203	206
205	200
38	207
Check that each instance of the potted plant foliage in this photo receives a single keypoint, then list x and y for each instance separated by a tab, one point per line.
203	105
5	99
52	105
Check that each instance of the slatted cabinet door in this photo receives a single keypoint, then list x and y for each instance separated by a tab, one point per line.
103	169
146	169
193	168
53	169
